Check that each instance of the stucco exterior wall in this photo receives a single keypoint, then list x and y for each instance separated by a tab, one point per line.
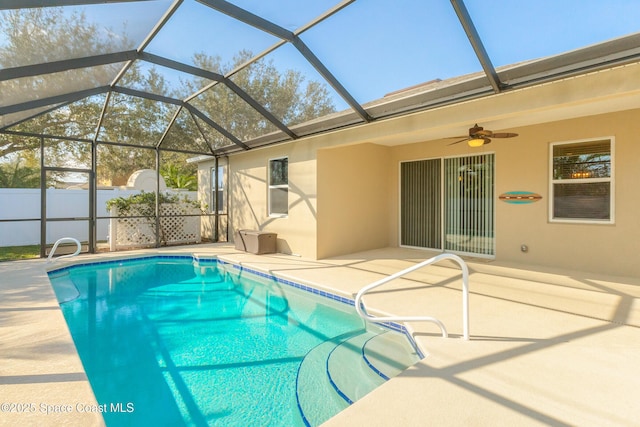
522	164
608	248
344	185
248	193
353	199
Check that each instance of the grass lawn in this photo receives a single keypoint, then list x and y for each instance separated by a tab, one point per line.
9	253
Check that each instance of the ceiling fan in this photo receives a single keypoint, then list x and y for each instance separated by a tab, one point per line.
479	137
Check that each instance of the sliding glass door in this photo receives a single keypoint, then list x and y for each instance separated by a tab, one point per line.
448	204
469	204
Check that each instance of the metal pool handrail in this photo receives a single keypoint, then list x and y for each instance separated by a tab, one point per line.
64	239
465	296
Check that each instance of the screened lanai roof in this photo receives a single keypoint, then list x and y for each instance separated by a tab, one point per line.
214	76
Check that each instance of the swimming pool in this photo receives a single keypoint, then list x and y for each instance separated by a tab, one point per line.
177	340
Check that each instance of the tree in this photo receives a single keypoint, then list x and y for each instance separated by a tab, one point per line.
38	35
136	121
179	177
284	94
13	175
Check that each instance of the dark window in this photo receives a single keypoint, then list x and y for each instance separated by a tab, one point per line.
582	180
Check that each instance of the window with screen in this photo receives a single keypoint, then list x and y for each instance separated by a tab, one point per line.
279	187
582	181
217	190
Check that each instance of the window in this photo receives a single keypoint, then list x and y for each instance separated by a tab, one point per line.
582	181
279	187
217	190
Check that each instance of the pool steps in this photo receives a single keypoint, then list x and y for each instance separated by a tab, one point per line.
346	368
348	372
376	354
315	407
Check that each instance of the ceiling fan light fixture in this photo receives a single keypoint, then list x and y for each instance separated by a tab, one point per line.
476	142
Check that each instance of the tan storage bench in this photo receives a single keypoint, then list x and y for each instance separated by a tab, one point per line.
256	242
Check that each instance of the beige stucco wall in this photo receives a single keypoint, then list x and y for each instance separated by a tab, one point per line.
248	192
354	208
352	182
343	194
522	163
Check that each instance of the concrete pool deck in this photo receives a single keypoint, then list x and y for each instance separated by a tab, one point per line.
548	347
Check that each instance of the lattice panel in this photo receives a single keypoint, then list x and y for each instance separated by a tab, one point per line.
127	233
179	229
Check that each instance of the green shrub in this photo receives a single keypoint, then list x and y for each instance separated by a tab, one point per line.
146	203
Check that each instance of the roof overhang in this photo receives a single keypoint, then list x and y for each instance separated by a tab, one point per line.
596	79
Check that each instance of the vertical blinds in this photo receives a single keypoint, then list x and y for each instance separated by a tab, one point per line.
469	204
463	206
420	208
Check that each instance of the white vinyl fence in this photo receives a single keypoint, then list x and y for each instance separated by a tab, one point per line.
20	203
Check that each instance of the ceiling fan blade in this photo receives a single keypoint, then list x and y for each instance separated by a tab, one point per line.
504	135
458	142
459	136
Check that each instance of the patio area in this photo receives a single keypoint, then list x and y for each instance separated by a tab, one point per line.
548	347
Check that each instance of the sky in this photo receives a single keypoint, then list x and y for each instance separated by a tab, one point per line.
375	47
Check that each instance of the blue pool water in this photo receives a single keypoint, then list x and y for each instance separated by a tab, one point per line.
176	341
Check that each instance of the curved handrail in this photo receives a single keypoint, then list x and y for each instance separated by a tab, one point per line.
465	296
65	239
